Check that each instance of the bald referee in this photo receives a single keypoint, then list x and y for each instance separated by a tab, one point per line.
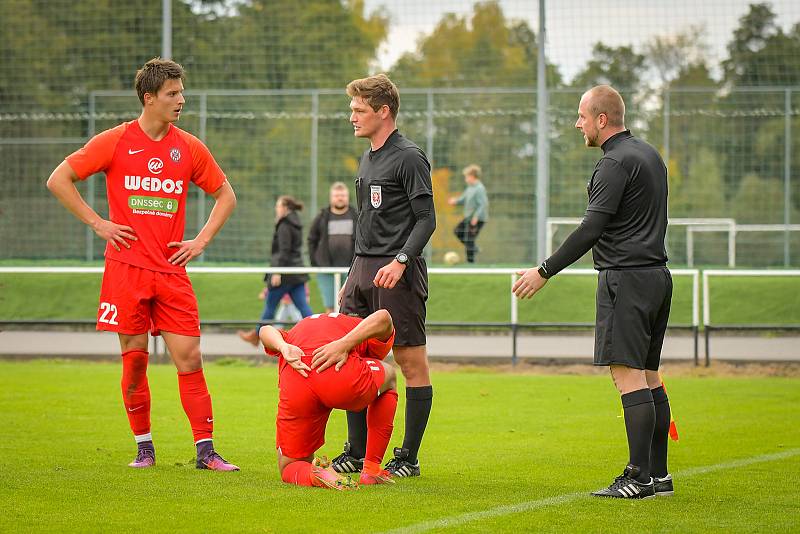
624	225
396	219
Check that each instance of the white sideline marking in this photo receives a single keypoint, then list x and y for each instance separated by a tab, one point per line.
509	509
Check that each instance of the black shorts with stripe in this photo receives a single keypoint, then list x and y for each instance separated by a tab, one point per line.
632	313
405	301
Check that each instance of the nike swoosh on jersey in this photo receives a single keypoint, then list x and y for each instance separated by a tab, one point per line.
132	152
134	409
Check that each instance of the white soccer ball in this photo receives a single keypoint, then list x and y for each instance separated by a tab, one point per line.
451	257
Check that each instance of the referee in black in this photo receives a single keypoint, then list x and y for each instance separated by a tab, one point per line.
396	219
624	225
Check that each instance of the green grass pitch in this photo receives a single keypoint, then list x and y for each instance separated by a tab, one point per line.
517	452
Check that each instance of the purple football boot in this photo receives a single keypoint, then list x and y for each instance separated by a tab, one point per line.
144	458
215	462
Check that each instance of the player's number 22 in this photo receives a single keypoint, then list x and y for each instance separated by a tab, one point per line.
108	309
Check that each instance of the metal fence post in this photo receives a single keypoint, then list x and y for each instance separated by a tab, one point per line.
90	192
429	128
696	314
201	198
427	252
514	322
542	139
314	150
666	126
337	286
787	173
166	29
707	316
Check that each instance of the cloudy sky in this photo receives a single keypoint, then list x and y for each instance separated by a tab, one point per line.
573	26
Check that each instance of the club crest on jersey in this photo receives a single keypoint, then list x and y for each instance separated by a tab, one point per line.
155	165
375	196
175	154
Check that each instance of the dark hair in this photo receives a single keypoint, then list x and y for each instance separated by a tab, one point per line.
151	77
291	203
376	91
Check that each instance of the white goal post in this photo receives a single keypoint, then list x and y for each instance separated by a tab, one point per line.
691	225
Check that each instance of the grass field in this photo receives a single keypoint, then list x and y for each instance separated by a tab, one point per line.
452	298
518	452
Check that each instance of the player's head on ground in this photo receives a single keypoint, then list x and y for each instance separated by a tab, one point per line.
159	85
339	195
374	104
472	173
601	114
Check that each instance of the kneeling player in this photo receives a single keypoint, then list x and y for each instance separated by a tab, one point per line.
332	361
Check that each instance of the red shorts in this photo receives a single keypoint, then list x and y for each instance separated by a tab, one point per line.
134	300
306	403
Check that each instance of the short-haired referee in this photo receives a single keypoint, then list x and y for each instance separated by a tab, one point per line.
396	219
624	225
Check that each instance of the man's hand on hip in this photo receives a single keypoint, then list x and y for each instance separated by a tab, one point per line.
187	251
334	353
293	356
116	234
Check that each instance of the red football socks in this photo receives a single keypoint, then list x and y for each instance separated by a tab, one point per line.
380	422
196	403
298	473
136	391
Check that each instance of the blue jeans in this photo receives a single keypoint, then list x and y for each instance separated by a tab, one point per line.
325	283
274	296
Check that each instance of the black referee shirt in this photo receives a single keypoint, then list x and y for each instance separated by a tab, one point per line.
388	179
630	184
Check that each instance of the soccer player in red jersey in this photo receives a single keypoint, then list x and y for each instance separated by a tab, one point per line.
149	164
332	361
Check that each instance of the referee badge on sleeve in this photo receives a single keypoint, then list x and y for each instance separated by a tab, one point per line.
375	196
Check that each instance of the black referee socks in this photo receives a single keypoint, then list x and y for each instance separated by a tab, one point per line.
418	408
640	419
357	433
658	447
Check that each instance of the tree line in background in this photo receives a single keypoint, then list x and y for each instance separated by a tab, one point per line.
726	148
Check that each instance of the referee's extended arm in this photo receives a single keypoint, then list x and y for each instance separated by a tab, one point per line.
579	242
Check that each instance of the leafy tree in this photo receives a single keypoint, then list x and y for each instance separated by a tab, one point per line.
620	67
672	56
494	130
484	49
760	53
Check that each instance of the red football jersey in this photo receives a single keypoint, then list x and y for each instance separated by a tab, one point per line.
317	330
147	183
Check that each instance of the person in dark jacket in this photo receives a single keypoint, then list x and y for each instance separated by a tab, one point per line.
287	244
331	240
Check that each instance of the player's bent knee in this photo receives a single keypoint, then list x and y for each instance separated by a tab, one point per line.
284	461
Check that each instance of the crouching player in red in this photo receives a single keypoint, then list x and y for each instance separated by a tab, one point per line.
332	361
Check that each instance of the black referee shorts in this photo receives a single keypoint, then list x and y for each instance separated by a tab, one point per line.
632	314
405	301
